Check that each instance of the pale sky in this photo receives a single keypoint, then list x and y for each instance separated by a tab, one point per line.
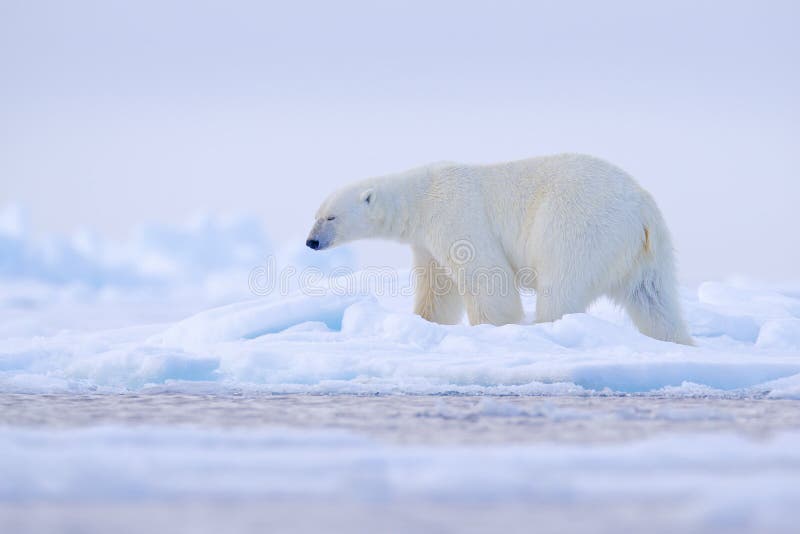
116	113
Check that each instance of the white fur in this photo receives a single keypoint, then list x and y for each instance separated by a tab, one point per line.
582	225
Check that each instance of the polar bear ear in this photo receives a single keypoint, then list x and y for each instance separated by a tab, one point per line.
368	196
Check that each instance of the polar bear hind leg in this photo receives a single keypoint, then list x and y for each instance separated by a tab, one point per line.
620	250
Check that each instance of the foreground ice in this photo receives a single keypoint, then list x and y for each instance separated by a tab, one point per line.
302	463
578	425
317	463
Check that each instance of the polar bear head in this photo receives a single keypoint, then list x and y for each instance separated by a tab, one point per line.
355	212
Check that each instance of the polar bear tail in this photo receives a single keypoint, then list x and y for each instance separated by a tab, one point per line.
650	293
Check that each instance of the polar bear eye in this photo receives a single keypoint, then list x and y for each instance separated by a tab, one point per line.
332	217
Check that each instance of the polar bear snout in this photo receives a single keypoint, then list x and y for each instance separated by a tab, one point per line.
321	235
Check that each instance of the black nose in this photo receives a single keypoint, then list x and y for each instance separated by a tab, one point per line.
312	243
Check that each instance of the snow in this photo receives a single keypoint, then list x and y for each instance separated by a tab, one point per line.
174	309
720	480
360	344
210	254
202	326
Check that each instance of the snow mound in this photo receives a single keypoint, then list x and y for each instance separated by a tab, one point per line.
252	319
353	343
209	255
173	309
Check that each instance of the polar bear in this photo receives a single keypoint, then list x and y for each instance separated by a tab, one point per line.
570	227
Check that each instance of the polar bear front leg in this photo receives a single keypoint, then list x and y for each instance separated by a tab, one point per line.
436	297
491	308
488	288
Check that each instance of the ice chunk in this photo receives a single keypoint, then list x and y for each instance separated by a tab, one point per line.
254	318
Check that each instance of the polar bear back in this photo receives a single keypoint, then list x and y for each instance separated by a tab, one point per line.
544	209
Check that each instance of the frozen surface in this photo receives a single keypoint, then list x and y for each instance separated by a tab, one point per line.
747	345
425	464
416	420
174	309
106	464
168	383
